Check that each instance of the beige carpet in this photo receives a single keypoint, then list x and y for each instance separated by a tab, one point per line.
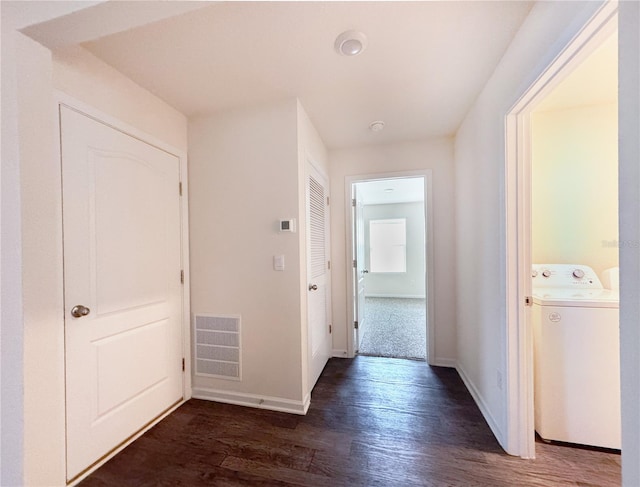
395	328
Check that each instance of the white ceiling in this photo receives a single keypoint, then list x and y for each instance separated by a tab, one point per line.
387	191
593	81
425	63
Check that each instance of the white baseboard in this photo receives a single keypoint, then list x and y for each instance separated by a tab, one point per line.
339	353
399	296
482	405
253	400
444	362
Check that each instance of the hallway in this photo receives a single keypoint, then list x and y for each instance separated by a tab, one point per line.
372	422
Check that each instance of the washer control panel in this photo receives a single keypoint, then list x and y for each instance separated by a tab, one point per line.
564	276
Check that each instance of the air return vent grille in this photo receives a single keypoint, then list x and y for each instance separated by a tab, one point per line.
217	346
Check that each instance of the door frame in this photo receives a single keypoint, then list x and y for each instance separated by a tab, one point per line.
358	236
62	99
426	174
519	332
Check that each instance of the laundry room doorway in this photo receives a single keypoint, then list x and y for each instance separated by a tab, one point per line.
389	246
574	231
561	201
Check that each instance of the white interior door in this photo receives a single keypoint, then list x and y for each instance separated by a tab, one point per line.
318	273
359	268
123	296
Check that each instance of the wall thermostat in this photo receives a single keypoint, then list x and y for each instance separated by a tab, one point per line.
288	225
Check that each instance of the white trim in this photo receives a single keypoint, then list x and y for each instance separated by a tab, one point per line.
62	98
482	405
186	287
253	400
339	353
519	336
445	362
310	160
429	262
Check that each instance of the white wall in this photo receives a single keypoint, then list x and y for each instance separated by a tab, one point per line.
435	154
44	432
575	186
410	284
310	142
244	177
629	168
80	74
480	204
17	52
21	59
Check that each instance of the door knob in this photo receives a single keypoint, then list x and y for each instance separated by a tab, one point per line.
365	271
79	311
313	287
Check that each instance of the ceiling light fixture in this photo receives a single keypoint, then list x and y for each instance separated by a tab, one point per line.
350	43
376	126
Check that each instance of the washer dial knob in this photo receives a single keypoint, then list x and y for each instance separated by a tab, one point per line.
578	273
534	273
546	273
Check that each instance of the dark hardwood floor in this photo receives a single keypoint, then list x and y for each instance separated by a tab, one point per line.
372	422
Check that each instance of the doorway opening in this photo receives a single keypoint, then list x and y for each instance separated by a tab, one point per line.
389	247
574	232
568	109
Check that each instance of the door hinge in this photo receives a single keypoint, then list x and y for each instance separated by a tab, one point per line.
182	277
355	263
183	365
353	202
327	201
527	301
329	264
329	329
355	325
180	188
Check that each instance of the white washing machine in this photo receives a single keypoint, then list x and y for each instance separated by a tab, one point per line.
576	355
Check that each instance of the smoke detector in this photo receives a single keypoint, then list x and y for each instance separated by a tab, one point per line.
350	43
376	126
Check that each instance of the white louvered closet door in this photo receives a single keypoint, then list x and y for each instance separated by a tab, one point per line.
318	273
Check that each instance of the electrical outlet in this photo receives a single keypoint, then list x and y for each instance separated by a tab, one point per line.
499	379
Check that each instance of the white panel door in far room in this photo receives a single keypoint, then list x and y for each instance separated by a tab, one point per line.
318	273
359	268
123	292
